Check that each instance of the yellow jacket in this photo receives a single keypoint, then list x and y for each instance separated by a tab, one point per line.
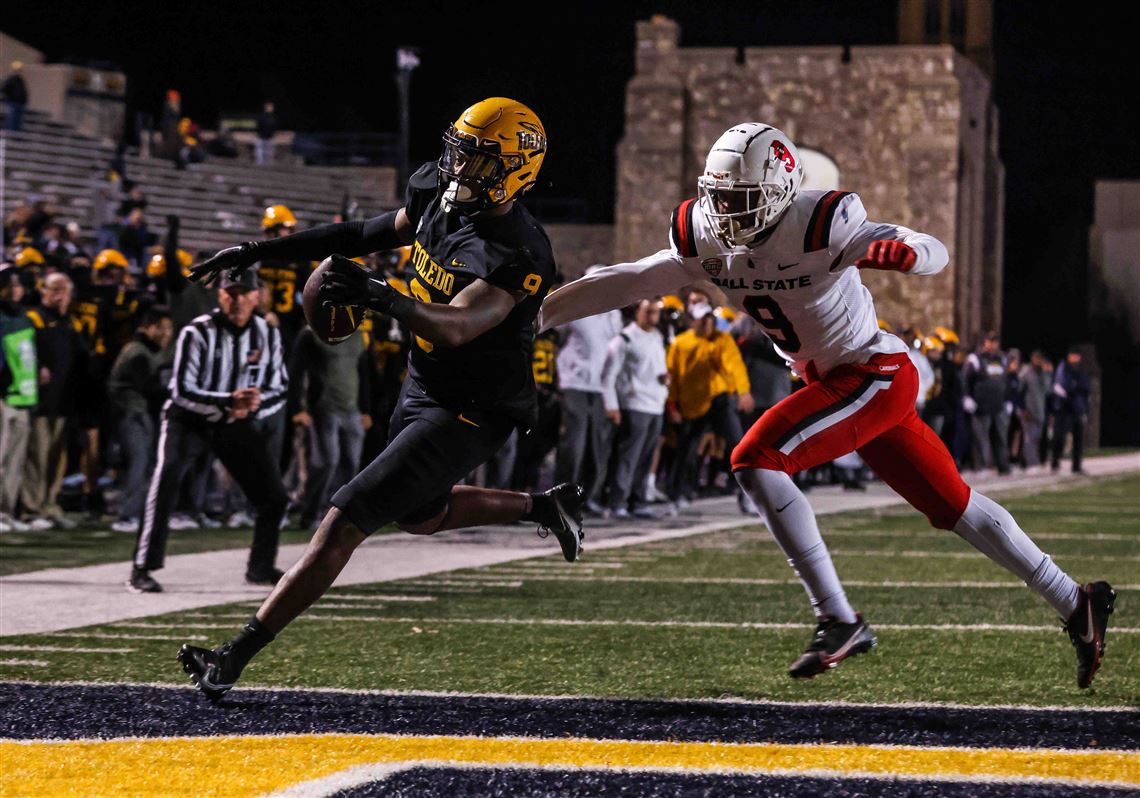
703	368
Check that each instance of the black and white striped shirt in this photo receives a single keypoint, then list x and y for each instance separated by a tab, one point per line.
212	359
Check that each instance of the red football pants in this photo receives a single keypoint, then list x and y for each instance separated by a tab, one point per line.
868	408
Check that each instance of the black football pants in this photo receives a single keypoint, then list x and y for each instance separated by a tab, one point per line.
245	454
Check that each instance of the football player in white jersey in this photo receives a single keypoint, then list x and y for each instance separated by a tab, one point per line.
791	259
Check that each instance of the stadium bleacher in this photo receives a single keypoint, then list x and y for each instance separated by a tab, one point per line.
219	201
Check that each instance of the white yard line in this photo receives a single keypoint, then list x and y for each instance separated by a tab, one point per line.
319	618
28	663
1053	708
79	633
63	598
68	649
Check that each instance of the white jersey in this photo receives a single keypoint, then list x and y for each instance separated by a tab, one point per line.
799	281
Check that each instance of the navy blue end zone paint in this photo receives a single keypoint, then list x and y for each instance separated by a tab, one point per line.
472	782
40	711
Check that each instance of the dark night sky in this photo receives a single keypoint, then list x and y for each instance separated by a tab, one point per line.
1063	122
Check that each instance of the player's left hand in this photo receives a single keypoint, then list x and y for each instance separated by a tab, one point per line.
888	255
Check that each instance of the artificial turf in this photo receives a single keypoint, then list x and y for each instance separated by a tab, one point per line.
547	627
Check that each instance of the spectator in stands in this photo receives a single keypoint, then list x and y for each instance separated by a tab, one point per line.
19	392
634	387
1036	385
135	390
61	356
135	199
15	93
1013	406
266	130
329	398
135	239
213	409
1071	390
170	139
580	359
708	385
984	401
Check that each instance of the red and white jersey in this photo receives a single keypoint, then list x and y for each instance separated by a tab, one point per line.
798	280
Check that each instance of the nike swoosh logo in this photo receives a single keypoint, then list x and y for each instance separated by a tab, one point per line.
466	420
841	652
781	267
1088	636
786	506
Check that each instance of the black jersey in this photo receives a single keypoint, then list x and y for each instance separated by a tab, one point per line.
450	251
285	281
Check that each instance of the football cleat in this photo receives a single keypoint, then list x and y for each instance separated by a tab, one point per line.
1086	628
833	642
559	510
212	671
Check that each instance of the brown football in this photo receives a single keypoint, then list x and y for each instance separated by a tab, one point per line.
331	325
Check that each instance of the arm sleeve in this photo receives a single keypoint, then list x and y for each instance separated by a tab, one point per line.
615	361
969	374
851	234
189	354
350	239
616	286
734	367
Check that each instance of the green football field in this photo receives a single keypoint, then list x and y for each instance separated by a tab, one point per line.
711	616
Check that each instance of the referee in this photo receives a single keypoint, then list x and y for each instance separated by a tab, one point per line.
228	372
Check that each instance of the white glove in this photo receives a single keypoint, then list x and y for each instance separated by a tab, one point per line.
1008	407
969	405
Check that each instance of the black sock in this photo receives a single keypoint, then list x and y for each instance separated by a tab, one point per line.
540	506
250	640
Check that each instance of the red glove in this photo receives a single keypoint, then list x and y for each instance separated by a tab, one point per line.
888	256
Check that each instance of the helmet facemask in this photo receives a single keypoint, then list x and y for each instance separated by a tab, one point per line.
740	209
471	177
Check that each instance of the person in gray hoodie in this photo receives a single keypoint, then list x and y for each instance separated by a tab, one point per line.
634	390
584	343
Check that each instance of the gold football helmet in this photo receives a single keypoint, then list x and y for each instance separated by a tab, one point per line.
278	216
29	256
156	267
109	257
491	155
946	335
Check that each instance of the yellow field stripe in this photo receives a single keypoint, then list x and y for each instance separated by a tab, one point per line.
250	766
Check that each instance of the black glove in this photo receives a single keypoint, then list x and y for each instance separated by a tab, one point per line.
346	283
234	259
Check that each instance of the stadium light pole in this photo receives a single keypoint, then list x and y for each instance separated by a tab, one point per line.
407	59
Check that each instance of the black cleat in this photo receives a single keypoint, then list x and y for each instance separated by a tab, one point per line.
211	671
833	643
142	582
270	577
1086	628
559	510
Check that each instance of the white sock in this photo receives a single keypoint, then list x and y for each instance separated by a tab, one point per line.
791	521
989	528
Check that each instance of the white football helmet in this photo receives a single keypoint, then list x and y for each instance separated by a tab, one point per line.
752	174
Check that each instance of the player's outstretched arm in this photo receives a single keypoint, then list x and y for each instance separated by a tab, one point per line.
351	239
615	287
893	248
473	311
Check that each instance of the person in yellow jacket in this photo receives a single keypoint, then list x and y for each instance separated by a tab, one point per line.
708	385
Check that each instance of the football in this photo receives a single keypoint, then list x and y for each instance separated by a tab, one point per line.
331	325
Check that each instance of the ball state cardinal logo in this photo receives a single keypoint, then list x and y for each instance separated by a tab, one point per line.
780	151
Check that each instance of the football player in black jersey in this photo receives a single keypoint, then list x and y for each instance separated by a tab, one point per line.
482	266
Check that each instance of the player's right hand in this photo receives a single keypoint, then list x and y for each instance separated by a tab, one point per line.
235	260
